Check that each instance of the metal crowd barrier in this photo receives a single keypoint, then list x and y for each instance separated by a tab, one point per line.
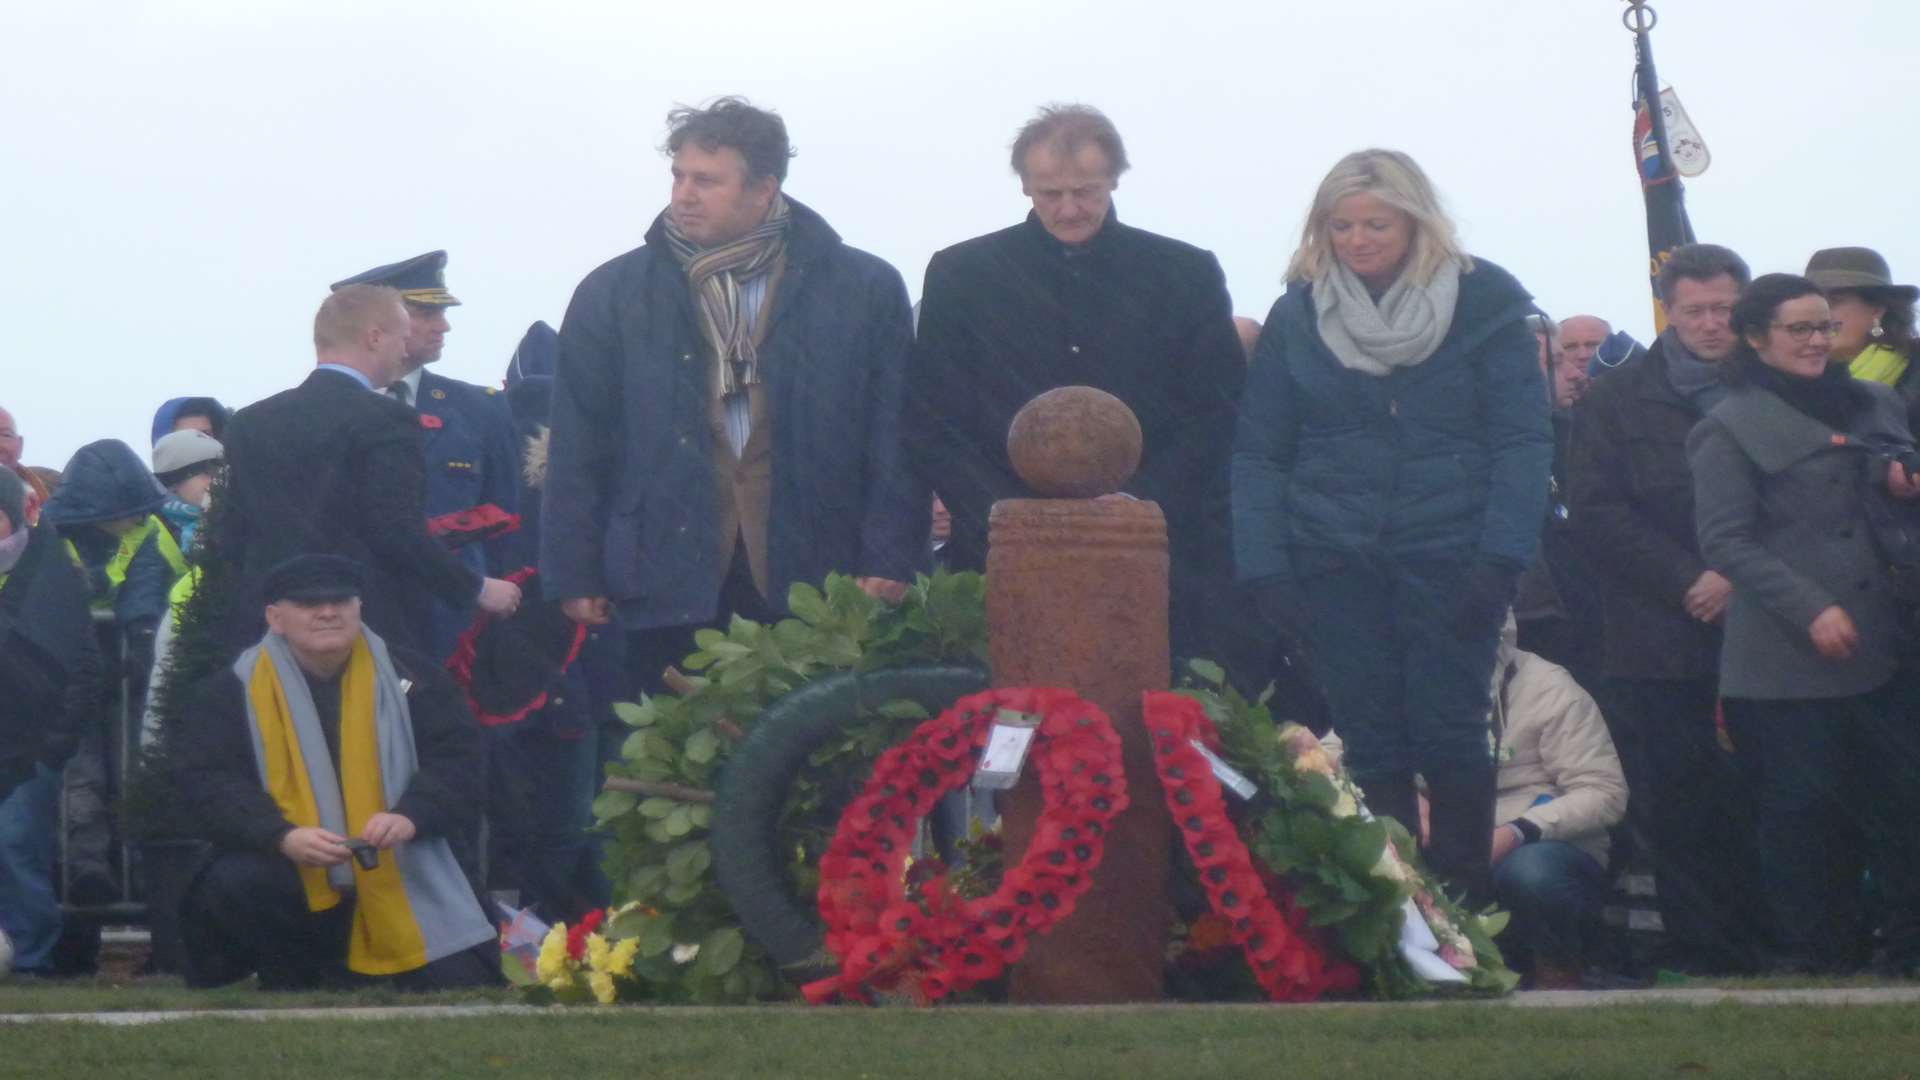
115	735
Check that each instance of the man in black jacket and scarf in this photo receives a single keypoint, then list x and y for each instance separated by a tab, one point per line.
334	466
1073	297
1632	512
330	772
51	684
727	412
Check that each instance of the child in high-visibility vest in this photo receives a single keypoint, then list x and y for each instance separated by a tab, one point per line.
185	463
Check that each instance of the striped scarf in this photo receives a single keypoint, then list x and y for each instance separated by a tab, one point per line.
714	274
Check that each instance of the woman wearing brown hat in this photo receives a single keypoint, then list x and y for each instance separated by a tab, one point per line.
1876	337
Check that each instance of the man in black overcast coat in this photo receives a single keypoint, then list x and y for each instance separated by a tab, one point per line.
1071	297
1632	512
334	467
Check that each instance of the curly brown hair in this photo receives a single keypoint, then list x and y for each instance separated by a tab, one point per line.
760	136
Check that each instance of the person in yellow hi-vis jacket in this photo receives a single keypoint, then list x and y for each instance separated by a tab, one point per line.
108	513
330	772
107	510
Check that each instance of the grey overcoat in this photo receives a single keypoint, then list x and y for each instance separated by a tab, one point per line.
1779	500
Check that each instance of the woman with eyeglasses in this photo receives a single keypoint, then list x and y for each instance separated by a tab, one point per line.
1812	670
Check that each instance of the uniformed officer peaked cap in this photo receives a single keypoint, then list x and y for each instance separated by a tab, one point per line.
421	279
314	578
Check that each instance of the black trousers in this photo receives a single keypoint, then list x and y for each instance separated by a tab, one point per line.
1700	825
1834	781
247	912
652	651
1407	677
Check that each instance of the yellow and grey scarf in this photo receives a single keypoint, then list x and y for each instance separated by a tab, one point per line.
416	906
715	275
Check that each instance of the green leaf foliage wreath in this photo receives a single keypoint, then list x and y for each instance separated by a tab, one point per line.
659	806
1304	827
658	810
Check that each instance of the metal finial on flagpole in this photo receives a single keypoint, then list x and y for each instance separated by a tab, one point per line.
1639	18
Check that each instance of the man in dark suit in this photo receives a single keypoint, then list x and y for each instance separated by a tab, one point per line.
1071	296
728	407
472	461
1631	510
334	467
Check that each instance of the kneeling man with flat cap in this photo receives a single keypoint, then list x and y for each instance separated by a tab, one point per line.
327	771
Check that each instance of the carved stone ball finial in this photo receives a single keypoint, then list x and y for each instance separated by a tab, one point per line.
1075	442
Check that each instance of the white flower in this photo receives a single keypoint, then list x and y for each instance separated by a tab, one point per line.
1344	806
1389	867
684	954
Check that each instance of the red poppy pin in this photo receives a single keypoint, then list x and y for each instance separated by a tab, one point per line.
431	422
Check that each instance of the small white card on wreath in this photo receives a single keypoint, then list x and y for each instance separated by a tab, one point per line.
1006	752
1230	778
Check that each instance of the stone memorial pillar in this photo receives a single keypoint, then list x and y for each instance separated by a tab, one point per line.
1077	598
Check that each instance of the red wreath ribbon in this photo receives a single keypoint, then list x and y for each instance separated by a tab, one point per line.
1270	928
483	522
466	653
942	944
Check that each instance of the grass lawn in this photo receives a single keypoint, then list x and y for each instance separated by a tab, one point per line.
1190	1041
165	994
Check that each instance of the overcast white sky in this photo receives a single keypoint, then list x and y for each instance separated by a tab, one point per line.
179	181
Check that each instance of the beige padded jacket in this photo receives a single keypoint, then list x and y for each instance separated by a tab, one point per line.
1554	742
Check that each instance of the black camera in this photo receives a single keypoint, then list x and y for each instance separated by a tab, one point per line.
365	854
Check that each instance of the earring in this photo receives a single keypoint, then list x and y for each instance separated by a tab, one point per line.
1877	331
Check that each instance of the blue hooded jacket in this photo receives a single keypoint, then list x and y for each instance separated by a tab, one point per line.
106	481
169	412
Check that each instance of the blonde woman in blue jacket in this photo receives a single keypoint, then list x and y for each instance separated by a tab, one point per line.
1390	477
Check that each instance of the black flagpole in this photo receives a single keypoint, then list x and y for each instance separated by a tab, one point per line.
1667	224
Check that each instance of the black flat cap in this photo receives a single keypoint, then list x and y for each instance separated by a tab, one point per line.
314	578
421	279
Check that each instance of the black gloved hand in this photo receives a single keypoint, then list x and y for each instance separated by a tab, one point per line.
1487	593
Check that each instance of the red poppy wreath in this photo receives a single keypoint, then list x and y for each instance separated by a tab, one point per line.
885	940
1270	928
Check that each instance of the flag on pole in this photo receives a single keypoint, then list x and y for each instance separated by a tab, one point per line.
1667	224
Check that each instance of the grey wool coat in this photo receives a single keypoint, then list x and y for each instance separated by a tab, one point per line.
1779	499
